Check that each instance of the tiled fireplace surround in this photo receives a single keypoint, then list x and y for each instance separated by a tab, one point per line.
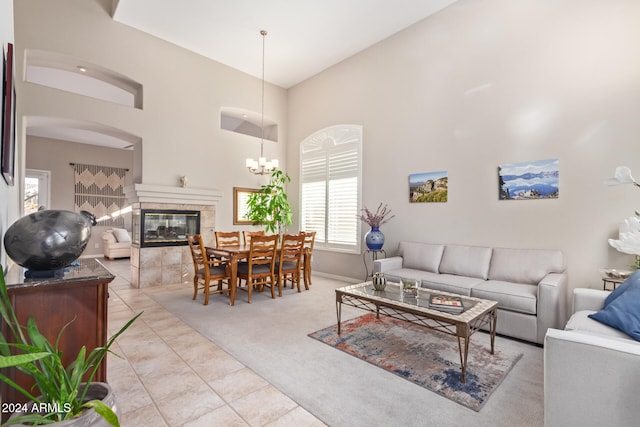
156	266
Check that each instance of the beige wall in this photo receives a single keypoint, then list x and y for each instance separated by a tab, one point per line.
55	156
481	83
182	96
487	82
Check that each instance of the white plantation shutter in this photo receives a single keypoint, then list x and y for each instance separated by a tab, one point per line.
330	171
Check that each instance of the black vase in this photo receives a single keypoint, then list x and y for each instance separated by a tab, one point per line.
50	239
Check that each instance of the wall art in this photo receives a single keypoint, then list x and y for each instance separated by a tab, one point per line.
428	187
240	207
529	180
8	117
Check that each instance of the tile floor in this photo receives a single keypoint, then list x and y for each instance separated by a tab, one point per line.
170	375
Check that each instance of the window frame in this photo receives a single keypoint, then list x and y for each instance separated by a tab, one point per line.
345	137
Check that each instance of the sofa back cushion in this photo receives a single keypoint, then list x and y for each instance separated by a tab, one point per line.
122	235
421	256
524	265
470	261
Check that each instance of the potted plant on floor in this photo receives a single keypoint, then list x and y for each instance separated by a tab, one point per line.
62	395
270	206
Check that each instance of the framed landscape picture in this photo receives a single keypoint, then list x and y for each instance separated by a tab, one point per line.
529	180
428	187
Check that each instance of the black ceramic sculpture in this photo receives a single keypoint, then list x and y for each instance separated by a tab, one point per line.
49	239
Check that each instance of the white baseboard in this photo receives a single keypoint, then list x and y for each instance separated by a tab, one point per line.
336	277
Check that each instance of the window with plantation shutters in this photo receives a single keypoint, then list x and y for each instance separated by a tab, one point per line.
330	175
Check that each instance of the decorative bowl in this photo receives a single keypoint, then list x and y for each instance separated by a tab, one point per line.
612	273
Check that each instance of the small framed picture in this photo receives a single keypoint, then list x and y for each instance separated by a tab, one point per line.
429	187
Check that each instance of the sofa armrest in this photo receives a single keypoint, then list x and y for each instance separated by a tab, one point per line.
590	379
552	306
588	299
387	264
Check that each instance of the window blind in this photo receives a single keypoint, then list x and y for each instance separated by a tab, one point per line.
330	175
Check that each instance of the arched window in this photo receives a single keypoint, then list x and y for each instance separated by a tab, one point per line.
330	187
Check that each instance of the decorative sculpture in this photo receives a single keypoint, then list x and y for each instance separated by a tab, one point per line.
49	239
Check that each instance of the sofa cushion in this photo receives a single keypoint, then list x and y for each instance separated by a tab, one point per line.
451	283
510	296
623	311
524	265
580	321
470	261
122	235
421	256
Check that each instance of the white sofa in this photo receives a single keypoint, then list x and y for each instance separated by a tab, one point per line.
116	243
529	284
591	371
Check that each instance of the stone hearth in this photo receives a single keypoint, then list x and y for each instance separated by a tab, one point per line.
157	266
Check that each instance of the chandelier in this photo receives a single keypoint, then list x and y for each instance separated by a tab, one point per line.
262	166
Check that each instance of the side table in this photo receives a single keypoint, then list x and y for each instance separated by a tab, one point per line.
614	277
375	254
614	282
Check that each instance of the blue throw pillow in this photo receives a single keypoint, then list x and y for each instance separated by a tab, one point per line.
623	312
619	290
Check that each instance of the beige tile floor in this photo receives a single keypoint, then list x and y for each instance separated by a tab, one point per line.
170	375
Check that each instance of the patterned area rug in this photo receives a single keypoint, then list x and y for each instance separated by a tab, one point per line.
423	356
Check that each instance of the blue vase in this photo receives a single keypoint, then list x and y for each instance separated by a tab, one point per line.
374	239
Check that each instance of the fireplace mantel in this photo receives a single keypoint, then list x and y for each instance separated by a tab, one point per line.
147	193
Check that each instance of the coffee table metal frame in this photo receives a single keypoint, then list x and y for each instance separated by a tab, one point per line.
414	309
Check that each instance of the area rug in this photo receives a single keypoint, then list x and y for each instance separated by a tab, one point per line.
423	356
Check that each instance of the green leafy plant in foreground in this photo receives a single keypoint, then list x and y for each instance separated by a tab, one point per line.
61	389
270	205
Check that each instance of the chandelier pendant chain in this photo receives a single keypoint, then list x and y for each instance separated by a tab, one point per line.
264	37
262	166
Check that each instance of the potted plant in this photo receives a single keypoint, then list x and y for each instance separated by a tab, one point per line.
270	205
61	393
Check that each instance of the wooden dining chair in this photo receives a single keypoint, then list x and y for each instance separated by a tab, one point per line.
247	235
290	257
309	240
259	269
208	272
227	238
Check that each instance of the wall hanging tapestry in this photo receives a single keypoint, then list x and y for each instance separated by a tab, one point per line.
100	190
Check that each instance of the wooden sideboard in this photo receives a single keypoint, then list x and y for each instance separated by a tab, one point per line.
78	295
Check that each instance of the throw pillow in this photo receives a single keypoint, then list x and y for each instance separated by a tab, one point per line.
623	312
626	285
121	235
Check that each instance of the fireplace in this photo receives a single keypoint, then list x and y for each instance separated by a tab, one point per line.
167	260
164	227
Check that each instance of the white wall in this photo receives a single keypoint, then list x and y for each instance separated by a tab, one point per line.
487	82
183	94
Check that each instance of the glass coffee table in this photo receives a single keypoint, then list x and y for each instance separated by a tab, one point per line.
414	308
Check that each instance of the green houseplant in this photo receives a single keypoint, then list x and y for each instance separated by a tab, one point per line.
61	390
269	206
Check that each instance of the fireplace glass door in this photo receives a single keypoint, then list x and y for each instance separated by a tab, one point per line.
165	227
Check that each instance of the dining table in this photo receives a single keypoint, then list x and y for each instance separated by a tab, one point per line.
233	253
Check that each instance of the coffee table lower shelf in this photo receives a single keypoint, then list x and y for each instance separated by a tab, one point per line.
483	313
